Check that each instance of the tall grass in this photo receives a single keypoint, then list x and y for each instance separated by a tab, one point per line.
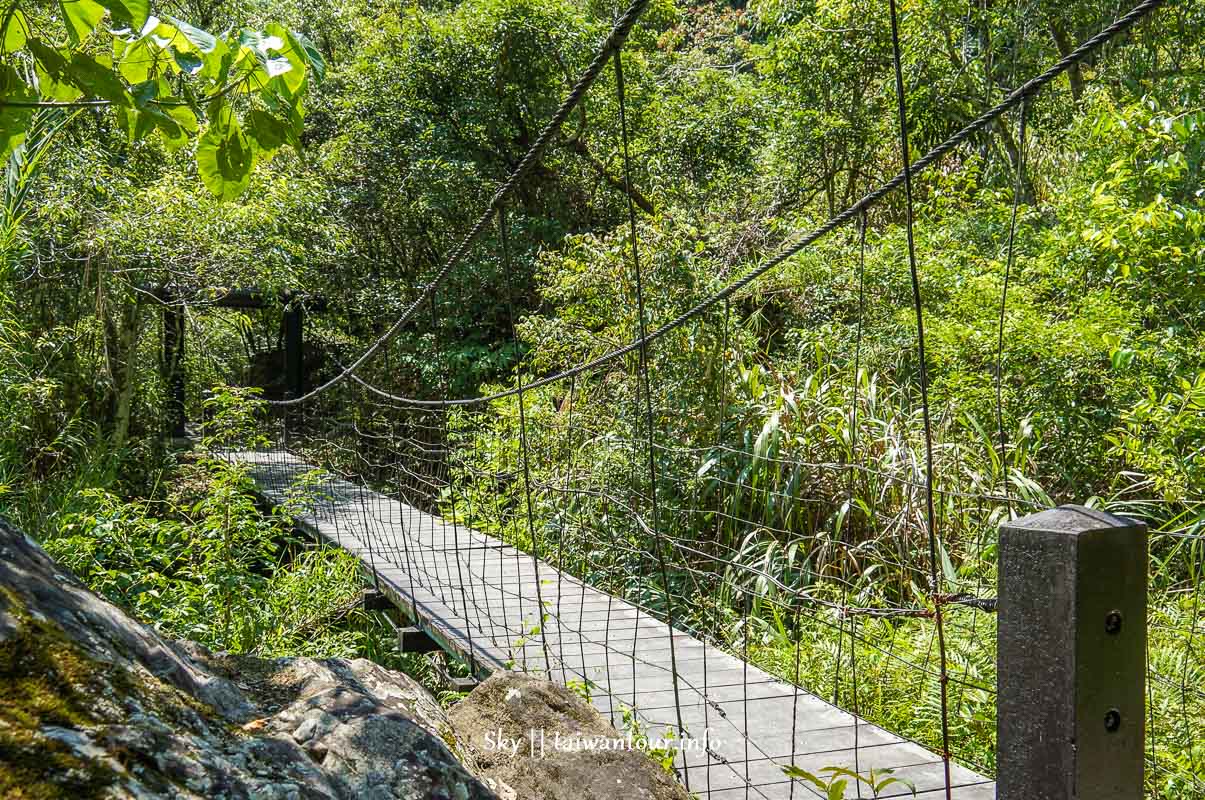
798	536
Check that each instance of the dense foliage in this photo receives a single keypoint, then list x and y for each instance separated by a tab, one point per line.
749	123
160	77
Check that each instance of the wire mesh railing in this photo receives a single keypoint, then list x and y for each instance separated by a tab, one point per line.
832	530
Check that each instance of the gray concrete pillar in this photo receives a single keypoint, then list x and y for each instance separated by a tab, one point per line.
1072	656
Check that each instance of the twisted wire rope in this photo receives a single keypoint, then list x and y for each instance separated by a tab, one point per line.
868	201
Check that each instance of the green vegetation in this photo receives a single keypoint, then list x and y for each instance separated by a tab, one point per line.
836	782
787	423
161	77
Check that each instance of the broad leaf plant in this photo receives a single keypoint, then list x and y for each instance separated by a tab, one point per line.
238	94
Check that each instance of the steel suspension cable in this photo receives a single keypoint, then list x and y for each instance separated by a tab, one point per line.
451	475
525	452
648	399
918	309
868	201
1009	260
612	44
722	413
850	506
645	384
560	543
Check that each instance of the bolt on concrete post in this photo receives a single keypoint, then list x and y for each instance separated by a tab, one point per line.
1072	656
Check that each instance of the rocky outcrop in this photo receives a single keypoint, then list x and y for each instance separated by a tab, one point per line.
534	739
96	705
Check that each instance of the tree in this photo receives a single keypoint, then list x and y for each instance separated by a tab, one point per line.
240	93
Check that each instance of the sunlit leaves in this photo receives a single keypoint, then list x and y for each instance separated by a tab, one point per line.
261	59
161	75
157	110
313	59
183	116
13	119
48	59
132	12
293	54
189	63
225	157
136	124
16	31
50	68
268	132
82	17
135	62
199	41
65	79
96	78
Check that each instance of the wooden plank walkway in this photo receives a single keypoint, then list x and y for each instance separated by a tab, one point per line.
478	598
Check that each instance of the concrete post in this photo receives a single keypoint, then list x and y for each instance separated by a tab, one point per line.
1072	656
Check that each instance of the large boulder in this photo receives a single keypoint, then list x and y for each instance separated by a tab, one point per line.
95	705
535	740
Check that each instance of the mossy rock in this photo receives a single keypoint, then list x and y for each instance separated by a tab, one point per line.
94	704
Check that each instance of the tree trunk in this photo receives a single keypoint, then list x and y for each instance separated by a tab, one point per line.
121	343
1063	42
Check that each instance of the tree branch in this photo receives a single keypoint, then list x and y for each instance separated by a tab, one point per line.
578	145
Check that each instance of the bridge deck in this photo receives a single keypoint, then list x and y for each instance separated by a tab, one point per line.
478	598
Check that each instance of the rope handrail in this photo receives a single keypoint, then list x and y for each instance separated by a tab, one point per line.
868	201
618	35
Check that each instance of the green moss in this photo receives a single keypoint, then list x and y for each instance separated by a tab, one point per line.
33	767
45	680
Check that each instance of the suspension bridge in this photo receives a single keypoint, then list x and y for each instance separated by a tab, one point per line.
613	588
496	607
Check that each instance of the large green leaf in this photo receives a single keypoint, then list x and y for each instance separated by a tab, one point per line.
296	126
49	59
267	131
173	137
14	120
276	65
137	124
314	60
82	17
260	45
160	110
189	63
217	62
138	61
133	12
261	58
16	32
144	93
225	158
55	90
292	52
203	41
97	78
182	114
51	69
